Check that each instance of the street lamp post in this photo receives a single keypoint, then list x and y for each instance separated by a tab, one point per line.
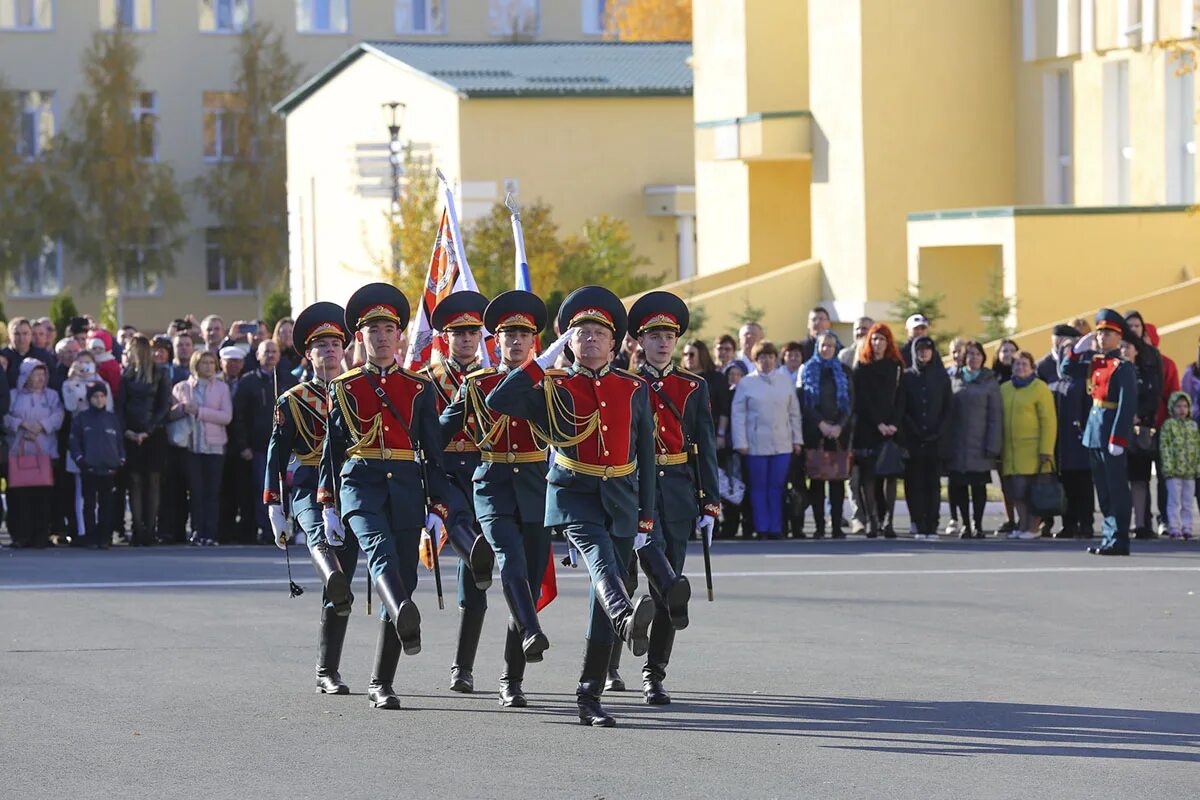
394	115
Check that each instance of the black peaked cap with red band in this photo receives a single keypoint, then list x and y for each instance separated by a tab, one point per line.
658	311
1111	320
376	301
320	319
593	304
459	310
515	310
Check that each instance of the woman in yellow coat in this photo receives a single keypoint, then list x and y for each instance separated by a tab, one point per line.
1030	428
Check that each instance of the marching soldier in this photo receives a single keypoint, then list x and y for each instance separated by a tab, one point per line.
381	473
459	318
686	456
601	486
509	484
299	432
1113	383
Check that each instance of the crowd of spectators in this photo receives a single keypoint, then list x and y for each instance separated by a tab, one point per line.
161	438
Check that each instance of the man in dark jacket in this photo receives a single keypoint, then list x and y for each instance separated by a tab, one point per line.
1047	370
97	444
253	419
926	416
20	338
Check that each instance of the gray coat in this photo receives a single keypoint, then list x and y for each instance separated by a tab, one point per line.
973	439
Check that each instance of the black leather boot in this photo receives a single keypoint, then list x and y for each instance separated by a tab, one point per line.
614	683
511	693
401	610
475	552
662	638
329	652
630	620
673	590
524	613
591	685
337	587
470	625
387	654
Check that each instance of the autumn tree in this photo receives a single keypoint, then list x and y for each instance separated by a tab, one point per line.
35	204
246	190
650	20
128	215
490	248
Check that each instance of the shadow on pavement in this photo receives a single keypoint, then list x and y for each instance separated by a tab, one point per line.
954	728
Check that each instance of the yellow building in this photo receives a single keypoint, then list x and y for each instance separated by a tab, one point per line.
590	128
848	149
187	70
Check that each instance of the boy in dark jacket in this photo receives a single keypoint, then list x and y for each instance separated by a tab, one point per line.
98	447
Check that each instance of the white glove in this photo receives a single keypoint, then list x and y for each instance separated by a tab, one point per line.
335	534
435	527
704	527
546	359
1086	343
279	525
640	540
1115	449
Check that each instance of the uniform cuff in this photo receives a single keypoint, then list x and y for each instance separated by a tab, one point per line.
1118	441
270	497
645	525
325	497
713	510
534	371
441	510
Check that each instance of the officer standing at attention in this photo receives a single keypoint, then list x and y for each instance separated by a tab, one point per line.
299	432
1113	383
382	424
459	319
601	485
685	451
509	484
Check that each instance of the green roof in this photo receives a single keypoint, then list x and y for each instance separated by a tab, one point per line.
1040	211
530	69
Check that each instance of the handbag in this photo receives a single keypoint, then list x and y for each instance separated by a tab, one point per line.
179	432
1144	442
1046	497
889	460
827	465
27	470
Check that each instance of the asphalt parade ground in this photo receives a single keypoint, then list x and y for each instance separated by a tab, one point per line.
855	669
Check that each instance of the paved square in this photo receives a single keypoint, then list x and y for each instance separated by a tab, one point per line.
825	669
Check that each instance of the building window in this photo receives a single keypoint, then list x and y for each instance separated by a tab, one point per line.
140	278
136	15
420	16
37	123
1181	135
322	16
40	276
26	15
1137	22
1118	148
224	16
145	116
514	17
222	277
222	113
1059	135
595	13
1187	19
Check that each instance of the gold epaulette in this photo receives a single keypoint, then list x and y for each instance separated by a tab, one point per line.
688	373
557	373
481	372
629	373
347	375
418	375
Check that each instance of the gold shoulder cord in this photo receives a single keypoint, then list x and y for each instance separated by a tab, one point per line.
352	420
499	424
556	437
300	412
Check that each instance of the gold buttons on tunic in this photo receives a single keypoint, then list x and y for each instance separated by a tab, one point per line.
389	476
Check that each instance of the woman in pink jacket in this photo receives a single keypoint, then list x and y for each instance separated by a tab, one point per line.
203	400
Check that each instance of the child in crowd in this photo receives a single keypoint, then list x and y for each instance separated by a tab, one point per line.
1179	443
98	447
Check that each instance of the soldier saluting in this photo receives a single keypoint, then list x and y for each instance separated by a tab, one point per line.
299	431
686	457
509	483
381	424
459	318
601	486
1113	384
